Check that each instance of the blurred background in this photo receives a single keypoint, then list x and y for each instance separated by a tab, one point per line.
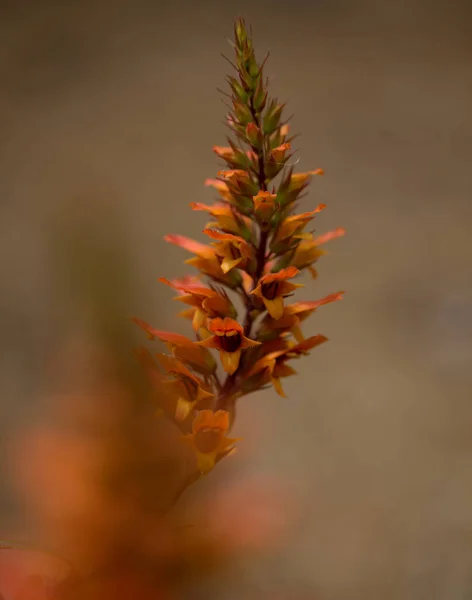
108	112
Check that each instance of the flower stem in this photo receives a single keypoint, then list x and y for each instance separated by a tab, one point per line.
226	399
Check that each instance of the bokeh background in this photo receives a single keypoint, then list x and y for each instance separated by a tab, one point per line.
108	112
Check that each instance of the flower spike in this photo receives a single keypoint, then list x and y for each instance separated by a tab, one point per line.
258	244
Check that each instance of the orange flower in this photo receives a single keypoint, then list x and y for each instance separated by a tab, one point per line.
223	151
273	287
278	154
241	187
284	130
227	218
293	184
293	315
308	250
205	260
166	398
264	198
234	157
208	438
254	135
305	309
187	389
329	235
264	204
221	187
292	225
247	282
149	364
239	181
233	250
273	366
298	180
228	337
279	137
234	174
205	302
182	347
178	394
189	244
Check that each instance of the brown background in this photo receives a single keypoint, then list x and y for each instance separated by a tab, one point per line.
110	108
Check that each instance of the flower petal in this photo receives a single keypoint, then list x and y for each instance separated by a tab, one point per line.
281	275
227	264
257	291
308	344
199	359
223	326
274	307
301	307
203	394
330	235
164	336
278	387
230	360
210	342
248	343
221	420
204	418
223	237
297	333
189	244
283	370
198	319
206	462
183	408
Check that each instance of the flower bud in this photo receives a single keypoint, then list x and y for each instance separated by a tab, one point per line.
242	112
278	154
237	89
260	96
264	205
254	135
272	118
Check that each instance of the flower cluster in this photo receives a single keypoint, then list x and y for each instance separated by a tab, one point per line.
258	247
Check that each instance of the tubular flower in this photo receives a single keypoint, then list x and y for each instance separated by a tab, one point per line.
308	251
206	259
258	244
182	347
278	153
272	367
292	317
208	438
305	309
264	205
172	401
227	219
205	302
187	389
239	181
233	250
292	226
226	153
293	184
277	158
273	288
228	337
298	179
221	187
235	175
